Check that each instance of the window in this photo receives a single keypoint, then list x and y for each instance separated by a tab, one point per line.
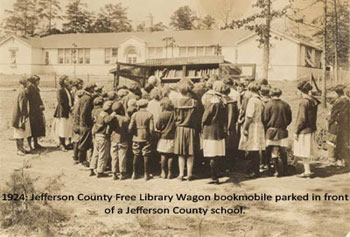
114	52
200	51
74	53
80	56
155	52
67	56
182	51
131	56
191	51
47	58
209	51
108	54
87	56
73	56
60	56
111	55
159	52
13	58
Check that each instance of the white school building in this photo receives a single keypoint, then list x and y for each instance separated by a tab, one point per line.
96	53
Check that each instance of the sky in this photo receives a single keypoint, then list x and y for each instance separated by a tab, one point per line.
161	10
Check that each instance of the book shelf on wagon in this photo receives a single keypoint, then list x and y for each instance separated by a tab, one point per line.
172	70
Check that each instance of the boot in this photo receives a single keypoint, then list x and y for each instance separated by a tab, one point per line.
92	173
284	159
145	163
63	144
275	165
115	177
20	147
36	144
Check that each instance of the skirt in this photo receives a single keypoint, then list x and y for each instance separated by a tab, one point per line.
19	133
255	141
63	127
306	145
282	142
165	146
184	141
213	148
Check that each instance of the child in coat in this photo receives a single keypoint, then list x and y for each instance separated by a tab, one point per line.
166	127
142	128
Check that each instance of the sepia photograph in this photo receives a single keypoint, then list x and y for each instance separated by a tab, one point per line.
175	118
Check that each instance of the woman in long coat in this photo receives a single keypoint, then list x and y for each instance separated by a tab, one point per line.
214	121
20	118
305	145
64	124
36	115
253	133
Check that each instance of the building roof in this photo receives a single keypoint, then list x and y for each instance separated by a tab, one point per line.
103	40
182	38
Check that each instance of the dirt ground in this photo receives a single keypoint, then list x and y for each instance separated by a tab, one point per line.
288	218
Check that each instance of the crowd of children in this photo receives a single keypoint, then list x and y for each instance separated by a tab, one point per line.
132	130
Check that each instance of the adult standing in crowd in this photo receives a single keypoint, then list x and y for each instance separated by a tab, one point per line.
277	117
20	118
305	145
64	124
253	133
214	123
339	126
36	115
85	122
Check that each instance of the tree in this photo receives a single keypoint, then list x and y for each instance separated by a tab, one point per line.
261	23
156	27
112	18
207	23
159	27
49	10
79	20
183	18
22	20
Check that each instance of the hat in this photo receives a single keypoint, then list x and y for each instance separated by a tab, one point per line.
304	86
339	89
117	106
98	87
142	103
98	101
122	92
90	85
107	105
132	103
33	78
111	95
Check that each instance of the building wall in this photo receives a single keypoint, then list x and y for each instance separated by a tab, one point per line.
283	57
23	57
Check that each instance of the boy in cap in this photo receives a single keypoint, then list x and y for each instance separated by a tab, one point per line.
141	127
101	134
119	140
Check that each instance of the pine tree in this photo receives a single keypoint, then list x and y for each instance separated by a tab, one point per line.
79	20
23	19
112	18
49	10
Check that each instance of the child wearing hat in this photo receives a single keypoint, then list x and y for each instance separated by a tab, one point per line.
119	140
101	134
166	127
141	127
